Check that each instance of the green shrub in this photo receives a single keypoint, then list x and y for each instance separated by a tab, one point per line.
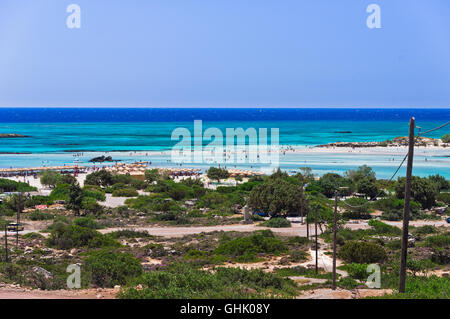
424	230
93	193
303	271
65	236
298	240
356	271
445	138
87	222
60	192
277	222
383	228
347	283
7	185
195	213
420	287
437	241
125	192
33	236
38	215
90	206
246	249
362	252
443	197
184	282
128	233
108	268
298	255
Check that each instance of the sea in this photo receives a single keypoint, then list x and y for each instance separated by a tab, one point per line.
57	136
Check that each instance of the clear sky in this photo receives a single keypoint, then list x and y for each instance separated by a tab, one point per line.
225	53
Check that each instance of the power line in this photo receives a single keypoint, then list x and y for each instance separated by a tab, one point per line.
392	177
434	129
401	164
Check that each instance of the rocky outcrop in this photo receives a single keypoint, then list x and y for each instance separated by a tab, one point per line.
10	135
101	159
398	141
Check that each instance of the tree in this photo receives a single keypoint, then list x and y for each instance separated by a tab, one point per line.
278	197
152	175
368	187
50	178
307	173
363	172
75	199
440	181
325	214
101	178
446	138
68	179
423	190
18	203
331	182
217	173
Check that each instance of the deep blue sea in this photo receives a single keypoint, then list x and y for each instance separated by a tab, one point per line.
56	133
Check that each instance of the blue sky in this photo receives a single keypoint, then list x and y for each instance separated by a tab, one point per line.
225	53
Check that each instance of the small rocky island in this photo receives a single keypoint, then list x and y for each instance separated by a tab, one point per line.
12	135
101	159
398	141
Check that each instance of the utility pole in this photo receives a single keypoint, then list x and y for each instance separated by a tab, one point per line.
334	239
307	225
402	281
6	242
317	259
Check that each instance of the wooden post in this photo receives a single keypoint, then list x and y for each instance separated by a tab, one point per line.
307	225
317	259
402	281
334	239
6	242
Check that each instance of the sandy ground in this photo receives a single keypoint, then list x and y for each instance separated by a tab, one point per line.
22	293
297	229
343	294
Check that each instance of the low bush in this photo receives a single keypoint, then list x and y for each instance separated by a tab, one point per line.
303	271
277	222
108	268
246	249
381	228
125	192
437	241
128	233
65	236
7	185
184	282
356	271
443	197
87	222
38	215
362	252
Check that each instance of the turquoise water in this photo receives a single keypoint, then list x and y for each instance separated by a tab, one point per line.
55	141
94	137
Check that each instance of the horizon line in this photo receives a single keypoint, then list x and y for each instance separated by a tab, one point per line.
225	107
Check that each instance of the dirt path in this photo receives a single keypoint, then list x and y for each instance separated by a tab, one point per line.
296	229
176	231
22	293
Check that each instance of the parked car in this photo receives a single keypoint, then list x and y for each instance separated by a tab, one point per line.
15	227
